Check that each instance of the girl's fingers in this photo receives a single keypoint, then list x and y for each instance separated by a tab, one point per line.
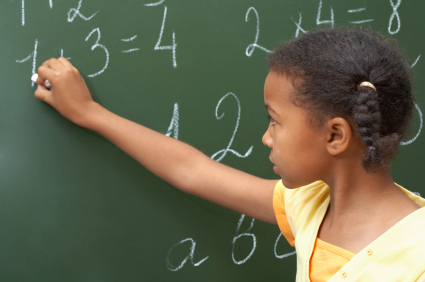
43	94
53	64
68	93
65	62
45	73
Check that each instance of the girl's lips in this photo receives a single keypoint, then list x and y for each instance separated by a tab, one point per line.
276	170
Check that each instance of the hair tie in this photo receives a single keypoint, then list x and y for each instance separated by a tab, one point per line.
368	84
371	148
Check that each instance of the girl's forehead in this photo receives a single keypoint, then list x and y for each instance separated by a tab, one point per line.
277	88
278	99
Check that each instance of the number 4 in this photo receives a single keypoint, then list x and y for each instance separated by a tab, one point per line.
169	47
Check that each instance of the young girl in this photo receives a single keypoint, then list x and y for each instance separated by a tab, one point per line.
339	102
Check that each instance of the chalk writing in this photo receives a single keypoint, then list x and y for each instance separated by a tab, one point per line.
420	128
416	61
33	55
358	11
68	58
237	236
174	125
23	12
74	12
420	115
298	24
169	47
96	45
223	152
188	257
129	40
275	247
251	47
130	50
167	42
394	15
319	11
155	4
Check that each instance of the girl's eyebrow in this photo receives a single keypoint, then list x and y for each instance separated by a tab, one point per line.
270	108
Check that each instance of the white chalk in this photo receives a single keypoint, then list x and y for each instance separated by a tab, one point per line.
46	83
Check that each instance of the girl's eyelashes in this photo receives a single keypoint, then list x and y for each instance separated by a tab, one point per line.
269	117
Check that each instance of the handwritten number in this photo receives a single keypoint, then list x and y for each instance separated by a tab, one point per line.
223	152
76	12
394	15
420	128
319	22
96	45
169	47
174	125
404	143
251	47
34	59
23	12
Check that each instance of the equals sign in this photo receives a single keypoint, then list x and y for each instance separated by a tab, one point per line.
129	40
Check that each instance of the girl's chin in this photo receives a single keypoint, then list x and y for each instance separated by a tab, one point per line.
276	170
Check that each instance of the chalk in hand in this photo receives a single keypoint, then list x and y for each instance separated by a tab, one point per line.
46	83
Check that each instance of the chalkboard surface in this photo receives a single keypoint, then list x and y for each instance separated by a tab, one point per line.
75	208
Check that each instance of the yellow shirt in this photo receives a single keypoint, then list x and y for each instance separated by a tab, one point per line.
397	255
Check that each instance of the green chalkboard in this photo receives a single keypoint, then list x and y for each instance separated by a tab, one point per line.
73	207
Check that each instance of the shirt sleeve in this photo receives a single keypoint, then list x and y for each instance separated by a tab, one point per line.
421	278
279	210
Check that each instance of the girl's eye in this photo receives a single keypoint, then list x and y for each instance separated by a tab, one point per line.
269	117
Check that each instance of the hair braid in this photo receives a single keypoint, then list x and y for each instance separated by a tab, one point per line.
368	119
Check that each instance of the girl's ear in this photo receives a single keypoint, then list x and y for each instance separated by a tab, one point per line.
338	134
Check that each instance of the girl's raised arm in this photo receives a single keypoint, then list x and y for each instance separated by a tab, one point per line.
179	164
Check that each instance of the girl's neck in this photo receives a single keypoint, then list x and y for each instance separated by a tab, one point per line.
362	207
356	194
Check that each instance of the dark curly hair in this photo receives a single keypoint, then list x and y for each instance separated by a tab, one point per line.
327	67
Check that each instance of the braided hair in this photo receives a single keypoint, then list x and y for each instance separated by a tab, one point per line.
327	68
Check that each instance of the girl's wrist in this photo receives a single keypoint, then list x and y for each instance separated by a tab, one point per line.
91	116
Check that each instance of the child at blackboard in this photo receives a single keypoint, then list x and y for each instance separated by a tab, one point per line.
339	102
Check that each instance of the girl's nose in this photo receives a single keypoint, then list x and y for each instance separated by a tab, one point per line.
267	138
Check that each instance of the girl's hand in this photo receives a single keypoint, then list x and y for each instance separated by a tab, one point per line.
68	94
